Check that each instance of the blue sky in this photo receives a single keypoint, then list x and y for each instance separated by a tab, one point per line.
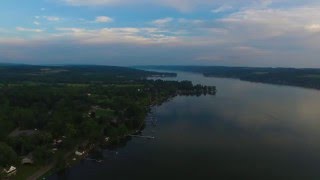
271	33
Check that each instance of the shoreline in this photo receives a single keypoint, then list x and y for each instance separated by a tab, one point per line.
48	171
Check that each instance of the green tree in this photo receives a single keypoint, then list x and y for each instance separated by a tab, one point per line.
70	131
90	129
41	154
7	155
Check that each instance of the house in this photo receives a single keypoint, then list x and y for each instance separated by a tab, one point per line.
79	153
107	139
28	160
92	114
54	150
11	171
57	142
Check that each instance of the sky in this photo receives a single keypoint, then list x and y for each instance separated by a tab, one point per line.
268	33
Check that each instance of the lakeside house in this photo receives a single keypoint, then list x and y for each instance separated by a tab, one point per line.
28	160
57	143
54	150
93	110
12	171
78	153
107	139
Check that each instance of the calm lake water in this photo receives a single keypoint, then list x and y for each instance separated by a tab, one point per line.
247	131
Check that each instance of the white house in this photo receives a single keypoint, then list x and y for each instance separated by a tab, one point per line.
11	171
78	153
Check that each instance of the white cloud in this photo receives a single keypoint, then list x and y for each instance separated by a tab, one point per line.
36	23
258	34
315	28
248	50
183	5
222	9
268	23
52	18
161	22
91	2
117	35
29	30
74	30
12	41
267	3
103	19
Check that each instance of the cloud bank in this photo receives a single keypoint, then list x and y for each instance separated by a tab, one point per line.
207	32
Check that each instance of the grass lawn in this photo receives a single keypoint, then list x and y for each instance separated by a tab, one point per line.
23	172
104	113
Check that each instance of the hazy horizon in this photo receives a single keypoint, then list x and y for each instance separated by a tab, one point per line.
248	33
148	65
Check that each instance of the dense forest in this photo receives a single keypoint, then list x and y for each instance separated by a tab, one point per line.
47	112
308	78
72	74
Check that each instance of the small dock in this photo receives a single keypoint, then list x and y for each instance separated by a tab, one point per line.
96	160
139	136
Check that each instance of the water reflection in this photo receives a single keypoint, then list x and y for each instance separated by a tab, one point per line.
247	131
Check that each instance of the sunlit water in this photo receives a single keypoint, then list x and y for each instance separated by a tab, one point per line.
247	131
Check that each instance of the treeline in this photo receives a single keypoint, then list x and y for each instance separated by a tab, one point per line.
72	74
181	88
34	116
308	78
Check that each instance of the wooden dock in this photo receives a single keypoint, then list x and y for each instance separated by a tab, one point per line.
147	137
96	160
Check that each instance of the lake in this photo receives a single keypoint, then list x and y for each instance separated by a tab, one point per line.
247	131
